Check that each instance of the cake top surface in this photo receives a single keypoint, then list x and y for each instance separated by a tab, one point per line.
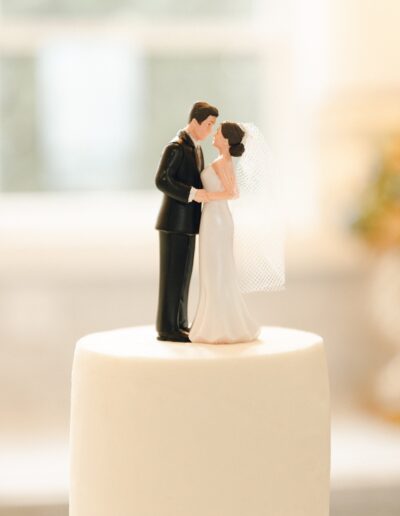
141	342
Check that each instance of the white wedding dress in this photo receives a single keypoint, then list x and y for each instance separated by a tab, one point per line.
222	315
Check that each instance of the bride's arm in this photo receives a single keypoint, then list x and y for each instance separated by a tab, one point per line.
227	177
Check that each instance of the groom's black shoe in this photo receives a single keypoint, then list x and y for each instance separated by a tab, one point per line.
185	329
177	336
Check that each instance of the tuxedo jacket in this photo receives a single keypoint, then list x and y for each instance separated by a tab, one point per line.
177	173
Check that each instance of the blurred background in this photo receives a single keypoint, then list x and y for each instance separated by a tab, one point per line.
90	92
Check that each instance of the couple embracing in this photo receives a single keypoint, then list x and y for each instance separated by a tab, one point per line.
195	201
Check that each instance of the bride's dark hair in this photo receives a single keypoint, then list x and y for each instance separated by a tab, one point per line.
234	134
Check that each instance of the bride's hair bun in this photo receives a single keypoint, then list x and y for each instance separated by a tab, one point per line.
236	150
234	134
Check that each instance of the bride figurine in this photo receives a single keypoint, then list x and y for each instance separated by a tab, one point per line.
222	315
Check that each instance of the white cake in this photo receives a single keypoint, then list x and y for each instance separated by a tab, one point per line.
185	429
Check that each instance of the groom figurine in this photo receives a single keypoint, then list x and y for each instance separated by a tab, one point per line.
178	222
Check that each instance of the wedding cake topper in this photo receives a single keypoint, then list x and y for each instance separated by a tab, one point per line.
239	250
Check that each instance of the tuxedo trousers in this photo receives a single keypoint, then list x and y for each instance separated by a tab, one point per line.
176	265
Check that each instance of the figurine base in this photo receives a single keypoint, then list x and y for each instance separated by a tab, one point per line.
177	429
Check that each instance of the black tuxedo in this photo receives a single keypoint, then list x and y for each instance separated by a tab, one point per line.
177	173
178	223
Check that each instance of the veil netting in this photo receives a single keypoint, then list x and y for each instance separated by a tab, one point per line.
258	216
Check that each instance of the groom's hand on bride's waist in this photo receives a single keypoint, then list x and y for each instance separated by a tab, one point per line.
201	195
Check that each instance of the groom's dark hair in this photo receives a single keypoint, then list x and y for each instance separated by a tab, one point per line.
201	110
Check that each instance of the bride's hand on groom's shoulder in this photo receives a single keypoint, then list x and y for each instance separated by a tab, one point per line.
201	196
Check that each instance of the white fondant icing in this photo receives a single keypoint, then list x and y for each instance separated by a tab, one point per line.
183	429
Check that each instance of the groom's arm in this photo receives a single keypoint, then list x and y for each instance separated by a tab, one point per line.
166	175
